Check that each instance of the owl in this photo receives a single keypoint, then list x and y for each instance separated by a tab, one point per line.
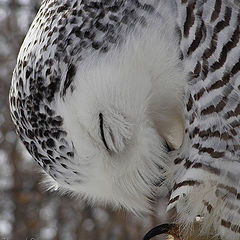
119	100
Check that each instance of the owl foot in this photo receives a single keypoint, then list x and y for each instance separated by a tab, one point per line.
167	228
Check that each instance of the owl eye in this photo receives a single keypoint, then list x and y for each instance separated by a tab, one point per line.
102	131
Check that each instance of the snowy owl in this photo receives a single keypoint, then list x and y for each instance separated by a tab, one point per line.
119	100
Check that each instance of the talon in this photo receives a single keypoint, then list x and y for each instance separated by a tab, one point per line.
167	228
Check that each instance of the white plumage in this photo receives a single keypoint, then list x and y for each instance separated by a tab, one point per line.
102	87
132	103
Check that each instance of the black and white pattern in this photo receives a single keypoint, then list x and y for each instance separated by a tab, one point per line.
187	50
206	180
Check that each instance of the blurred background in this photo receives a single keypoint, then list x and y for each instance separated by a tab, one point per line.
27	212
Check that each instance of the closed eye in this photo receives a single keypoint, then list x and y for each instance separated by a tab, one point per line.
102	131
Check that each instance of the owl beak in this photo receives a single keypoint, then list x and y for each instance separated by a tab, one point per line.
170	229
169	147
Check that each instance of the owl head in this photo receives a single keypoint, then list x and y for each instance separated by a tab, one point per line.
101	127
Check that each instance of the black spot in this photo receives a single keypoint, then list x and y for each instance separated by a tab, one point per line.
70	154
28	72
21	83
48	110
49	152
96	45
46	161
57	121
46	133
69	78
101	27
30	134
48	72
56	135
62	147
148	8
15	113
50	143
64	165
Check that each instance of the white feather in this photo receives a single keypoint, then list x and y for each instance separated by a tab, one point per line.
138	89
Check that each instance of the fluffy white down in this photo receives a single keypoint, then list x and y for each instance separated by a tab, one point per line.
138	90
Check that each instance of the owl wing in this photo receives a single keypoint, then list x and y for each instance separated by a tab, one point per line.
207	166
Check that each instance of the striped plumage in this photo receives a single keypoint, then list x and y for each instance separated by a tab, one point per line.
207	175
